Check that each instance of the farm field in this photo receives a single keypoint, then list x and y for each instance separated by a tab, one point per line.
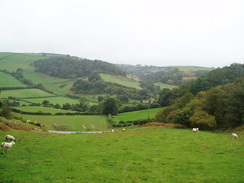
43	109
24	93
9	81
54	100
145	154
57	85
137	115
13	61
163	85
120	80
73	122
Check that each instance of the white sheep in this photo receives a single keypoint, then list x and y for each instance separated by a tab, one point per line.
124	129
7	145
195	129
9	137
113	130
234	135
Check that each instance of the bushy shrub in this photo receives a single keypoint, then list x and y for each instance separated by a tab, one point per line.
202	119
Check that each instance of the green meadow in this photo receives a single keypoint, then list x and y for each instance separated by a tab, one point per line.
25	93
137	115
54	100
120	80
57	85
145	154
7	80
13	61
73	122
163	85
42	109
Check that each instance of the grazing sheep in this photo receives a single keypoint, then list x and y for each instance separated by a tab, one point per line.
124	129
10	137
112	130
7	146
234	135
195	129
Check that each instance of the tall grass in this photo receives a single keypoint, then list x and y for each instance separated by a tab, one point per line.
138	155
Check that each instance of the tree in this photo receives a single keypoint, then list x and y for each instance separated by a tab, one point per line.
164	97
5	111
110	106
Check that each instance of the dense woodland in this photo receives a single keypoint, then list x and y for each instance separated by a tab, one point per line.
214	100
73	67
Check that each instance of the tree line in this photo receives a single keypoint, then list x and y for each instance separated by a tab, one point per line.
73	67
214	100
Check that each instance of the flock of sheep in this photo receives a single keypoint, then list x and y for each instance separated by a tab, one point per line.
8	145
234	135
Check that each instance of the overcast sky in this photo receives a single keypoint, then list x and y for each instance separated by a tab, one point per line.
147	32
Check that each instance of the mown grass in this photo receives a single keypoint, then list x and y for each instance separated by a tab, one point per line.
25	93
7	80
73	122
120	80
137	115
146	154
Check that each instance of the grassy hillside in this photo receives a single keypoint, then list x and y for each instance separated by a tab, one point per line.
138	155
25	93
13	61
120	80
9	81
137	115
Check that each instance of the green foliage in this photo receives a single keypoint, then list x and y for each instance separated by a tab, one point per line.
5	111
220	107
70	67
110	106
202	120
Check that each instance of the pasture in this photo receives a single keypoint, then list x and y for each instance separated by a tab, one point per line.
120	80
43	109
145	154
25	93
137	115
163	85
54	100
13	61
9	81
57	85
73	122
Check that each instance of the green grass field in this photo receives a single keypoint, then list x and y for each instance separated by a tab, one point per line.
53	84
163	85
42	109
120	80
7	80
146	154
54	100
137	115
74	122
25	93
13	61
